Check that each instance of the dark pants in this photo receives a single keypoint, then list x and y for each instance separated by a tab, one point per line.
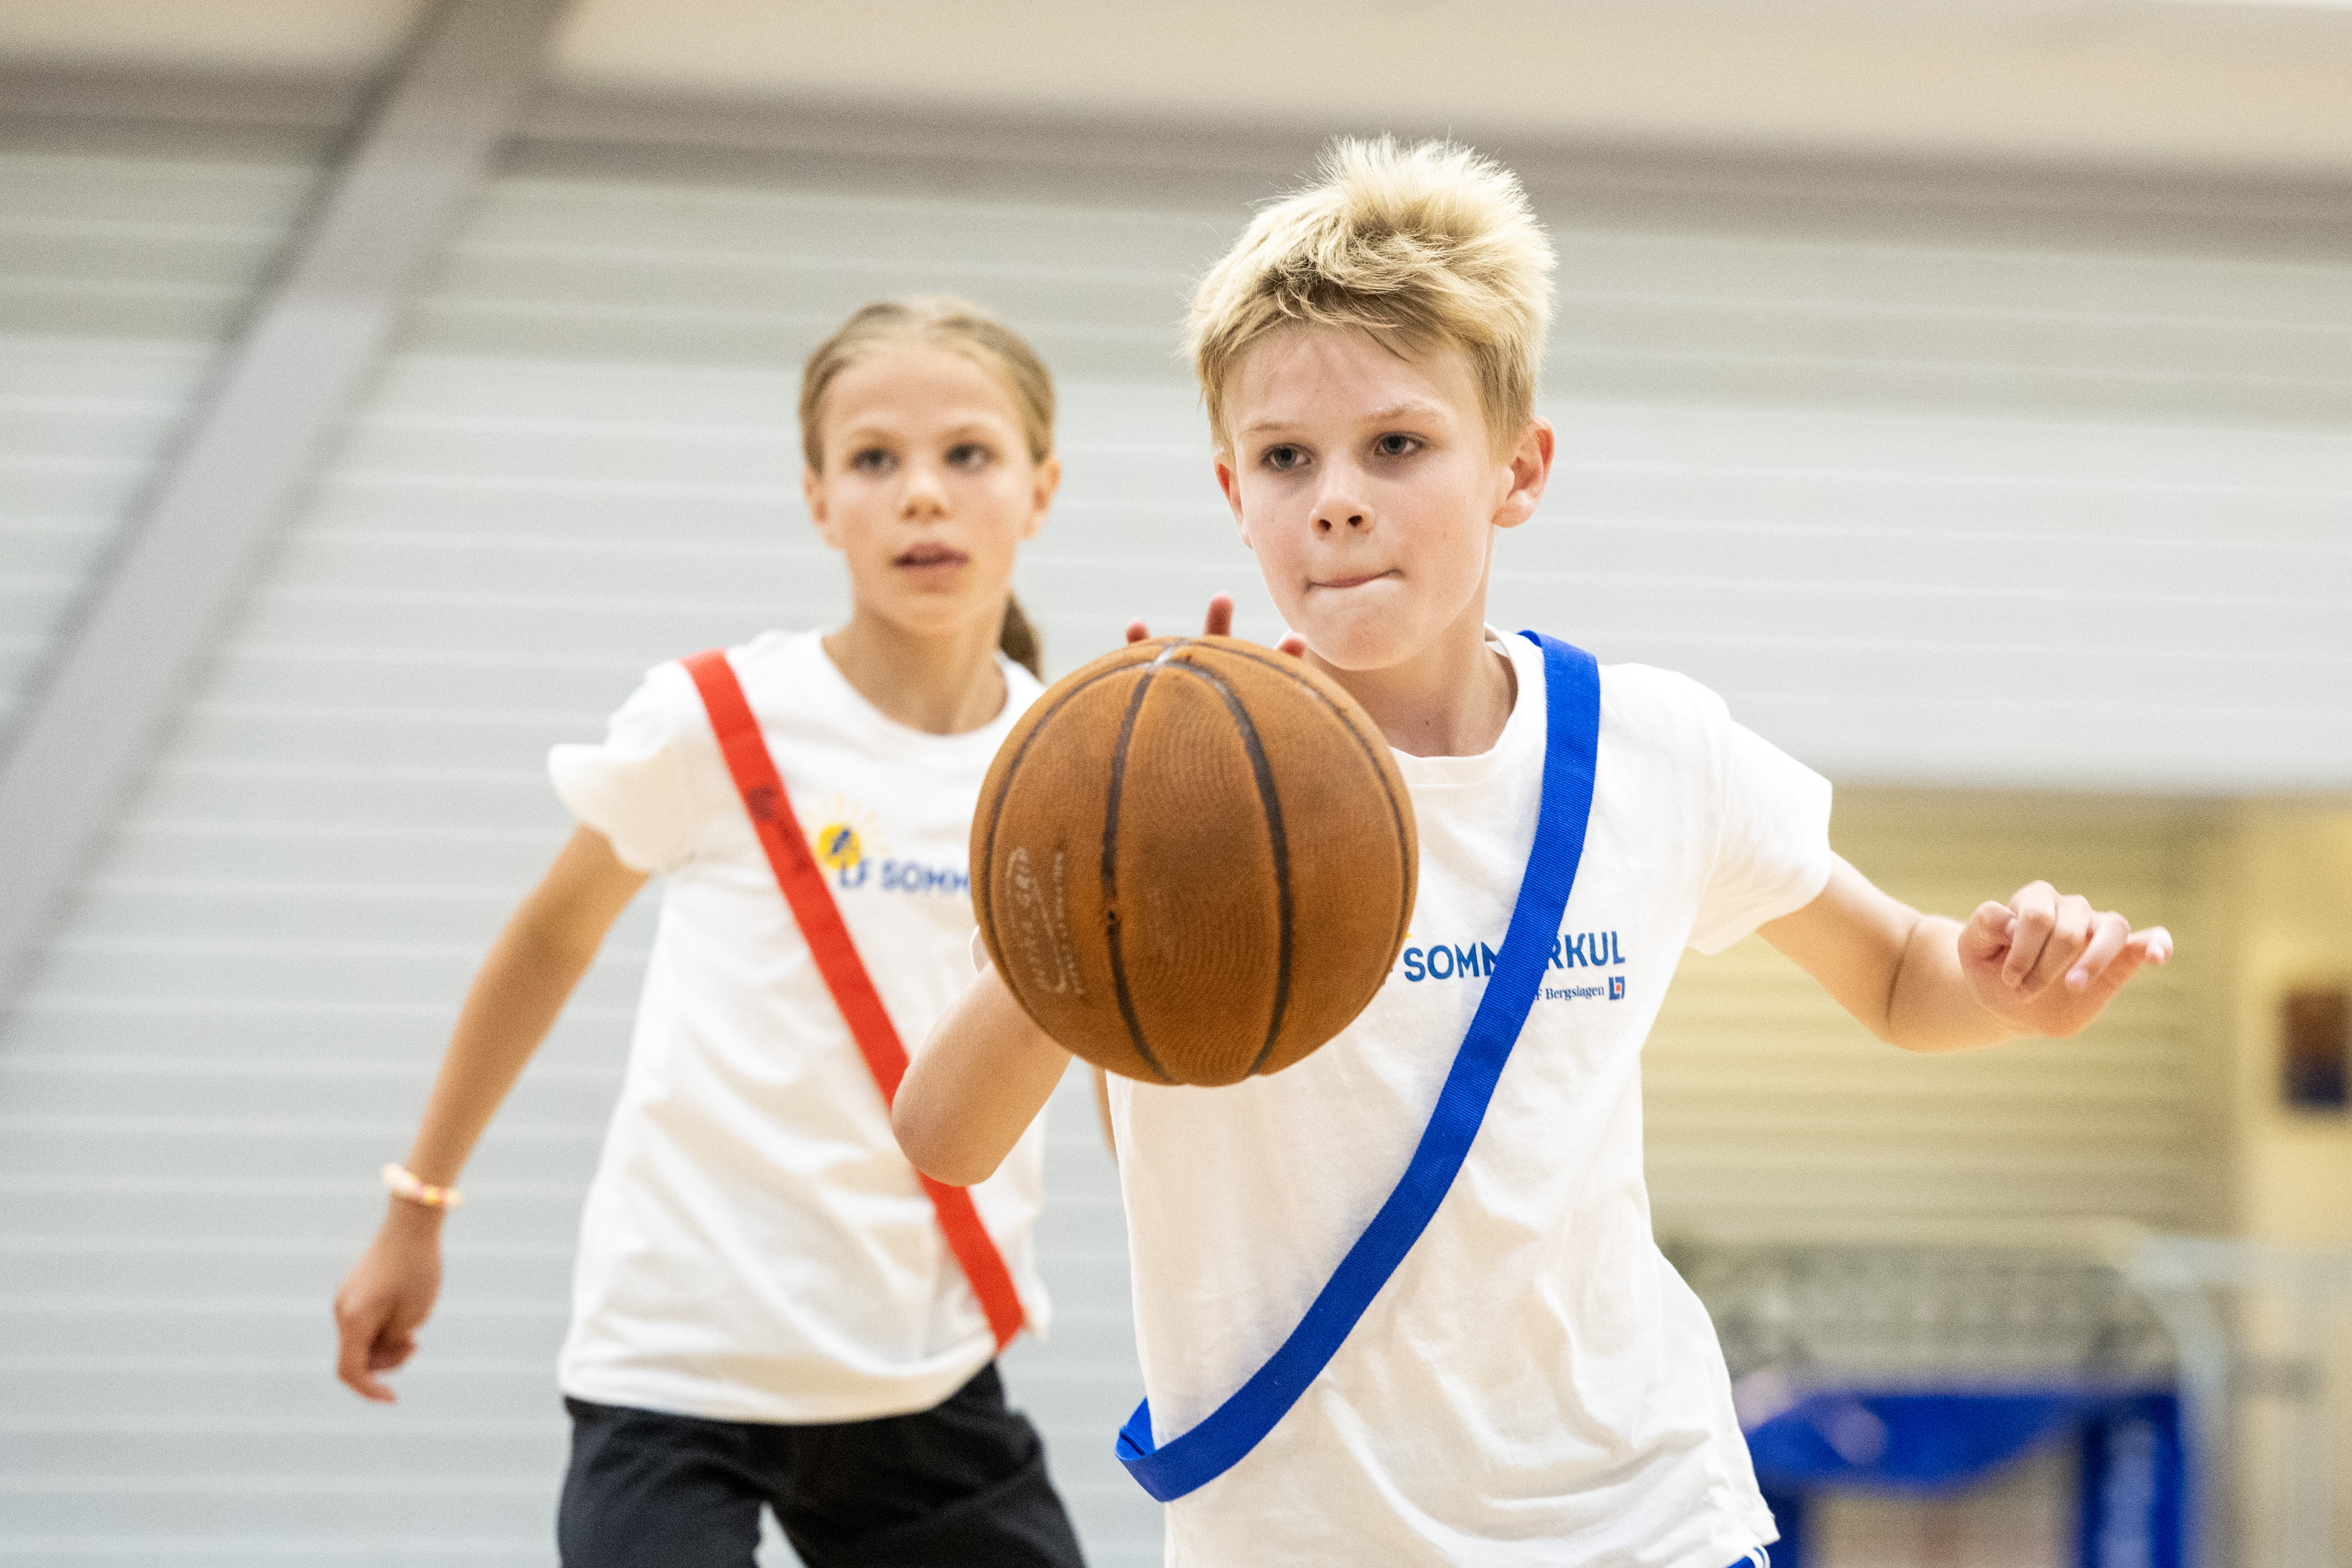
962	1483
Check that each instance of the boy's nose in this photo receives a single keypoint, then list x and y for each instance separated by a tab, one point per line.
1337	512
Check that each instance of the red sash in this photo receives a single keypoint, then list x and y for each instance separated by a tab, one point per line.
802	885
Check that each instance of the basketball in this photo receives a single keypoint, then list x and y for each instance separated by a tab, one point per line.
1193	860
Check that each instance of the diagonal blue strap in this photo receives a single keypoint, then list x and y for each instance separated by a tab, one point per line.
1571	743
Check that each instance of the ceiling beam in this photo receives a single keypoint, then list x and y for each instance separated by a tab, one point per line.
123	665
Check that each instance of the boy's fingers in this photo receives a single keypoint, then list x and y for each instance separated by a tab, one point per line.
1136	631
1987	932
2109	931
2154	945
2036	905
2070	934
1219	620
1293	644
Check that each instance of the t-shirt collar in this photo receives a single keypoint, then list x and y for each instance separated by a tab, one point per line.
1522	733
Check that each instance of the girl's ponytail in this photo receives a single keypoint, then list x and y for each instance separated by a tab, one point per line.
1019	640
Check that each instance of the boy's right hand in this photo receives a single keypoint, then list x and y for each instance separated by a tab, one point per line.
387	1297
975	1084
1219	622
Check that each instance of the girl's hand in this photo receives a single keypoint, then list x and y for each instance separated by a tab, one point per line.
1220	624
387	1297
2047	964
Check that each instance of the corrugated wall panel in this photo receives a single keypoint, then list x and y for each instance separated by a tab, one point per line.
1769	1110
1819	472
1976	600
119	278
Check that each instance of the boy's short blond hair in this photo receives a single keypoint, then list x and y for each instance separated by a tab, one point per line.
1431	244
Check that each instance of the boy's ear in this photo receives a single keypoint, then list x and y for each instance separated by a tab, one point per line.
1230	482
1530	467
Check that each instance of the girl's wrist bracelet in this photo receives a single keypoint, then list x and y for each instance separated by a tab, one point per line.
402	1183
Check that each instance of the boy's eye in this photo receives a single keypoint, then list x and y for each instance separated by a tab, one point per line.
1396	445
874	461
969	454
1285	458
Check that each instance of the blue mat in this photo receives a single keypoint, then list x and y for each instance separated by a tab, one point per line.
2132	1495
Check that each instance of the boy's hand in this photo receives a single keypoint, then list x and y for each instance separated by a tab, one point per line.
2047	964
1220	624
975	1084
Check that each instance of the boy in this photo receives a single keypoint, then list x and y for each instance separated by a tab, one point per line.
1533	1384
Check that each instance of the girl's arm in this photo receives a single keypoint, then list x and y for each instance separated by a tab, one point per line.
532	968
2039	965
983	1074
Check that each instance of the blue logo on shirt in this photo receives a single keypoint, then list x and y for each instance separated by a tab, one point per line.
1570	950
904	877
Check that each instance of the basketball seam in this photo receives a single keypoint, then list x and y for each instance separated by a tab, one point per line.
1396	815
1262	771
987	883
1110	873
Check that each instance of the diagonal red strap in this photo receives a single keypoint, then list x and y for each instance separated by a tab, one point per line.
802	881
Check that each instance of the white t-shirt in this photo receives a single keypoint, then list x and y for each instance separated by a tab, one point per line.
1535	1384
755	1247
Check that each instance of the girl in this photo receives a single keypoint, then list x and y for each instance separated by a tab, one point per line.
768	1306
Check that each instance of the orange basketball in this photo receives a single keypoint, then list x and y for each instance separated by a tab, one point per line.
1193	860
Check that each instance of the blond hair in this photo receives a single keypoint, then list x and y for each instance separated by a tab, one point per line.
958	326
1429	244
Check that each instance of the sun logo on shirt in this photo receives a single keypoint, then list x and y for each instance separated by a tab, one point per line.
848	837
837	846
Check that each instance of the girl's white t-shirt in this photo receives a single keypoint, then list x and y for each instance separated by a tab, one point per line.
755	1247
1535	1384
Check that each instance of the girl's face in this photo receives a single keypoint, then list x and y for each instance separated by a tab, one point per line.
927	487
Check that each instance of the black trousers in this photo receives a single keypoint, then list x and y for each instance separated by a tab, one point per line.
962	1483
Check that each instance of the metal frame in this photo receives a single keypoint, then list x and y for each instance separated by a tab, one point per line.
122	668
2190	1279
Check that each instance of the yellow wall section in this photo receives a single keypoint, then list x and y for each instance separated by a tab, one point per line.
2281	876
2283	873
1769	1109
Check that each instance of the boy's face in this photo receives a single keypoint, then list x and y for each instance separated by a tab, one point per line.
1369	489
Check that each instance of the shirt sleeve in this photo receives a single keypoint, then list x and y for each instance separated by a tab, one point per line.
1772	835
636	786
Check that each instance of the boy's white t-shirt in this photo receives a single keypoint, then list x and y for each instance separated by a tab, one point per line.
1535	1384
755	1247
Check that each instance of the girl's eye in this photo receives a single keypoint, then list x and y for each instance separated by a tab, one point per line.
1282	460
969	454
1396	445
874	461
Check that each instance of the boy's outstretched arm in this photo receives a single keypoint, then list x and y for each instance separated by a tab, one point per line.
2041	963
982	1075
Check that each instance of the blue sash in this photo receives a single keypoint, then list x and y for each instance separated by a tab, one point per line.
1571	743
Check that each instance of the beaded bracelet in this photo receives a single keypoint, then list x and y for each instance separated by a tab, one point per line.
405	1184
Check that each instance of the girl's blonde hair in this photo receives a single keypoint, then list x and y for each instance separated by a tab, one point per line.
958	326
1431	244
